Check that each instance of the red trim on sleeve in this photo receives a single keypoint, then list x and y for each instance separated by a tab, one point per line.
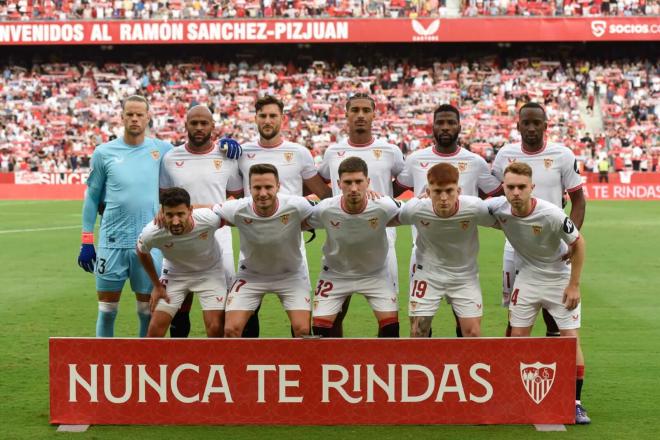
403	186
576	240
575	188
495	190
87	238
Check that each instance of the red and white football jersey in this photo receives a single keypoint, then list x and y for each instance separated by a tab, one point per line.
474	173
294	164
384	161
356	245
270	246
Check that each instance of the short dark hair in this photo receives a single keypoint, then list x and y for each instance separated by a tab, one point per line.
135	98
353	165
360	96
442	174
174	197
533	105
519	168
447	108
263	168
267	100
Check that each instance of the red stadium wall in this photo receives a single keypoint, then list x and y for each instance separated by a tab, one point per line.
331	31
635	186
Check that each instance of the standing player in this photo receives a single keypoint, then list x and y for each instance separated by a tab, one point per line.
446	251
555	171
541	234
355	252
475	177
202	169
385	162
124	175
294	164
269	225
192	263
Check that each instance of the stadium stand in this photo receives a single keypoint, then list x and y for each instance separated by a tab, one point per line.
55	113
208	9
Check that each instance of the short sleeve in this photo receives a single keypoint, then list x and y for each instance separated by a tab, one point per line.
498	166
209	218
324	169
398	165
144	243
487	182
235	182
308	168
405	177
164	178
568	232
570	174
314	219
483	216
408	210
227	211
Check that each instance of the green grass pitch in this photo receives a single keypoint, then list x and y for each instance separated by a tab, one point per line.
44	293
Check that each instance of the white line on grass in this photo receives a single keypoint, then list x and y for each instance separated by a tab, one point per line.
55	228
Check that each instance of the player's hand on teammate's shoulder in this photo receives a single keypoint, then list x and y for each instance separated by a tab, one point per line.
157	293
87	256
571	297
373	195
159	220
230	147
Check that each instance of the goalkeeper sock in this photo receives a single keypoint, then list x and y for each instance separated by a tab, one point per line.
388	328
105	322
144	316
251	329
322	327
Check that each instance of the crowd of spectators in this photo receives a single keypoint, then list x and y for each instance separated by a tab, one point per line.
211	9
53	115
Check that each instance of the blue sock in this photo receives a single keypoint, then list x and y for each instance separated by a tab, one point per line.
144	316
105	322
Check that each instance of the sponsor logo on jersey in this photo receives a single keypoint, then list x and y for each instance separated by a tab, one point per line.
512	159
479	306
502	220
536	229
247	221
575	317
285	219
462	166
548	163
307	300
424	164
155	154
424	223
373	222
537	379
219	298
168	245
335	224
251	155
341	153
378	153
217	163
203	236
288	156
179	163
465	224
119	159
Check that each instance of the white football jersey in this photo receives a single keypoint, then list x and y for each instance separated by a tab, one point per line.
294	164
356	244
270	246
384	161
474	173
540	239
207	177
191	253
447	246
554	169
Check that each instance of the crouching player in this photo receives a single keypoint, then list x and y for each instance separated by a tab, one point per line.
269	226
355	252
541	234
446	250
192	263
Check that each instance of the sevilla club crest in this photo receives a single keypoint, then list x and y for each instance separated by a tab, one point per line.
373	222
465	224
204	235
378	153
547	163
536	229
155	154
217	163
462	166
284	219
288	156
537	379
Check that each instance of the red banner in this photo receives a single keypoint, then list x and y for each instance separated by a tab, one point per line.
621	191
312	381
331	31
38	177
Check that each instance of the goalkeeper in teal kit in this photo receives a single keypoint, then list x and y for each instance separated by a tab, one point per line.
124	176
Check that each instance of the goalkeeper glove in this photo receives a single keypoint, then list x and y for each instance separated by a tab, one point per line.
231	147
87	257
